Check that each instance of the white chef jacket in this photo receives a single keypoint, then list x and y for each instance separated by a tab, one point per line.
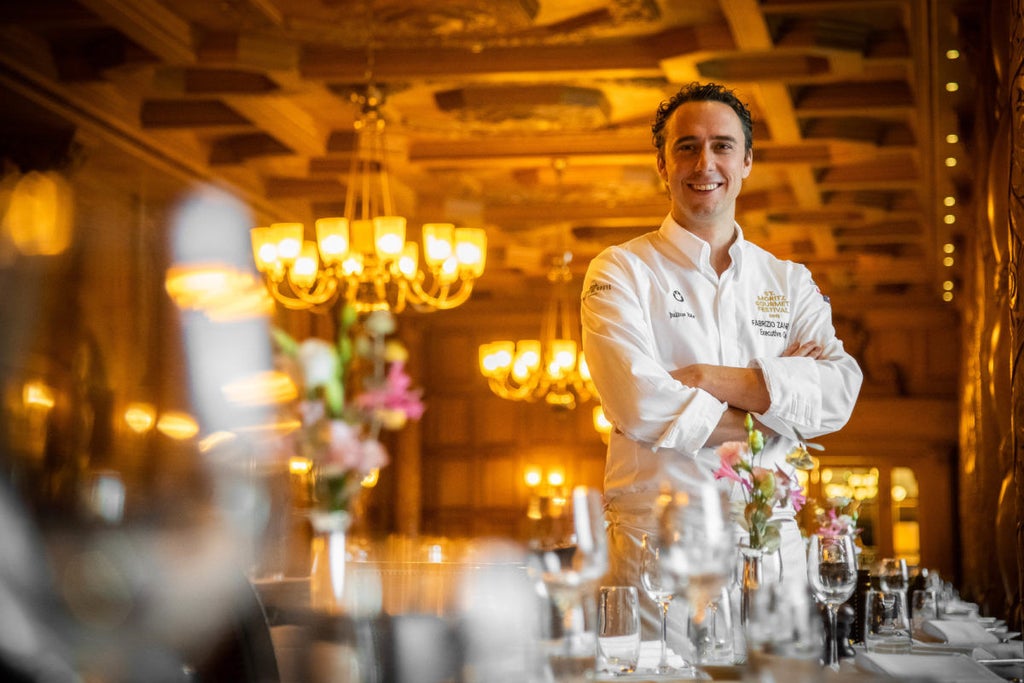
655	304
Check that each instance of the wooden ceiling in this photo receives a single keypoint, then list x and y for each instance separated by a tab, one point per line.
531	118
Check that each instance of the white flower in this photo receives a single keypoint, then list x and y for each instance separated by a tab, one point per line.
318	360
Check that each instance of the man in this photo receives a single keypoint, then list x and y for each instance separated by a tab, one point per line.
688	328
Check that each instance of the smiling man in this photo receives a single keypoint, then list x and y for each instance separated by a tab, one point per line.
690	327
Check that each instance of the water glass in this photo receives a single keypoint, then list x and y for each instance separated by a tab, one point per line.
618	629
886	622
924	605
709	629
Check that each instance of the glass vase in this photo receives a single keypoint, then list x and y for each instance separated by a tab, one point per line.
327	570
756	568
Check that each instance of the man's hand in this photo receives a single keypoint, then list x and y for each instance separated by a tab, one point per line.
742	388
809	349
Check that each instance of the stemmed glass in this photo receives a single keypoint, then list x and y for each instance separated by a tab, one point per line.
893	575
570	562
661	588
696	541
832	573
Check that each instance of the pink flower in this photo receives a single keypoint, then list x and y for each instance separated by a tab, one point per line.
347	451
732	453
394	395
726	471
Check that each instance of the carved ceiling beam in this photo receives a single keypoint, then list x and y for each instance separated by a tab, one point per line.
631	57
208	82
189	114
237	149
150	24
285	120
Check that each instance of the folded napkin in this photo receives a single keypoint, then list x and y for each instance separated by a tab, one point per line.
650	653
1012	650
952	668
956	631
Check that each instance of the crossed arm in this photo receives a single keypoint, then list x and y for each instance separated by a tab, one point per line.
743	389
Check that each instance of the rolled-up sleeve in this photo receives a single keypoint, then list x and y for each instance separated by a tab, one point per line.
637	393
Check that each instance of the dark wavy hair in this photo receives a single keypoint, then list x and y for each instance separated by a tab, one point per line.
701	92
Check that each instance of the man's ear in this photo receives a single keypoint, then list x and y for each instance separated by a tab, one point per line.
748	162
661	168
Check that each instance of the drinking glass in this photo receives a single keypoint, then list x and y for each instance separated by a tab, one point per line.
660	587
709	629
697	544
618	629
569	560
783	634
832	573
893	575
924	606
886	623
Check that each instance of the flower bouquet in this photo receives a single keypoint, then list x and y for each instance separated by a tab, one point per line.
763	489
349	391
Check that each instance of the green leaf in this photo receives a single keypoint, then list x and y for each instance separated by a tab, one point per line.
771	538
347	317
284	341
334	397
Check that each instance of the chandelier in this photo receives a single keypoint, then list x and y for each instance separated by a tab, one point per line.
364	256
552	367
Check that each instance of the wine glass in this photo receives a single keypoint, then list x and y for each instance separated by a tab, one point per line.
569	560
832	573
893	575
696	541
661	588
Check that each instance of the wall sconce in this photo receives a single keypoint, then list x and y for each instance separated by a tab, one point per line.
548	492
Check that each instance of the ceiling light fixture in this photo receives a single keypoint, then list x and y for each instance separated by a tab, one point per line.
552	367
364	256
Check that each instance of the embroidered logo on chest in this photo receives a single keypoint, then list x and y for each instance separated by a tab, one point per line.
772	304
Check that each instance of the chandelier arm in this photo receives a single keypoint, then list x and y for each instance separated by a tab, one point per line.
512	390
324	292
442	301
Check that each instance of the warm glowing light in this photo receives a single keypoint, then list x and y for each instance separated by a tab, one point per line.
39	214
272	387
952	54
949	200
364	256
898	493
532	475
949	247
948	285
952	86
371	479
947	261
300	465
950	162
177	425
140	416
826	475
949	219
556	478
952	138
37	394
222	292
947	296
551	368
601	422
215	440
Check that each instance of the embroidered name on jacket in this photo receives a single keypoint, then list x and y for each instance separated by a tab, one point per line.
594	288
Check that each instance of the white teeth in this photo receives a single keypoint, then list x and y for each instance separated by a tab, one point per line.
706	187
